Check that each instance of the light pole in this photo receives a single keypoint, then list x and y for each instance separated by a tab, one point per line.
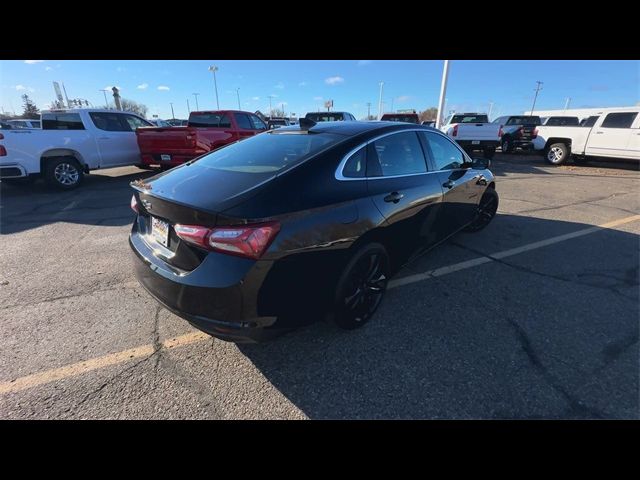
380	102
106	102
368	110
270	108
443	93
188	107
538	88
173	115
490	108
196	95
566	105
238	94
392	105
214	69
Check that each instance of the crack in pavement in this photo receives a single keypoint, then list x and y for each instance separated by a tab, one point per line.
581	202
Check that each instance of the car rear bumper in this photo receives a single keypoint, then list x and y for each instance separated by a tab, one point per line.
218	310
12	171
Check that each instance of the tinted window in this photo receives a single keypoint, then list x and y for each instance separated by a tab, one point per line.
400	154
209	120
36	124
591	121
111	122
562	121
523	120
62	121
500	120
243	121
469	119
325	117
257	123
134	122
619	120
400	118
355	166
268	152
446	155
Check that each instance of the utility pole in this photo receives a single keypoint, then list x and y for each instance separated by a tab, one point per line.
490	108
106	102
214	69
173	115
538	88
392	104
196	95
188	107
566	105
238	94
380	101
270	107
443	93
368	110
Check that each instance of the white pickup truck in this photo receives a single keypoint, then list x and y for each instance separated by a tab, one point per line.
614	133
473	132
70	144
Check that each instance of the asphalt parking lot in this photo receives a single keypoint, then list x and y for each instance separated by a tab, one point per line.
537	316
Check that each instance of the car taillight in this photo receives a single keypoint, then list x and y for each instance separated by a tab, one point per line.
249	241
500	131
534	134
3	151
134	204
191	140
455	131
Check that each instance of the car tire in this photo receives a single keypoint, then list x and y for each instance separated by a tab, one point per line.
489	152
361	286
64	173
487	209
557	154
506	145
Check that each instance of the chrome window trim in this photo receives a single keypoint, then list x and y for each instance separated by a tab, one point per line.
339	176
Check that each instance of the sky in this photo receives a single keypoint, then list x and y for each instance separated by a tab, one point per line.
301	86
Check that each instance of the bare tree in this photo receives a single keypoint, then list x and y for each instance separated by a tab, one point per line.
428	114
131	106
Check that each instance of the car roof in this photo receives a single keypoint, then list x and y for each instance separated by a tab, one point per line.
355	128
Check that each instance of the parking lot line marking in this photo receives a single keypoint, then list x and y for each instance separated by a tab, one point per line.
91	364
79	368
438	272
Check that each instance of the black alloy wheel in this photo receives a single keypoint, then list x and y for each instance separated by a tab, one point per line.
487	209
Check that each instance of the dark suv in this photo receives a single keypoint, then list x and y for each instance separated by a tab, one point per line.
517	131
330	117
401	117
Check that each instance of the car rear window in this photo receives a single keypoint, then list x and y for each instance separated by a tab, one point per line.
400	118
325	117
523	121
209	120
268	152
62	121
469	119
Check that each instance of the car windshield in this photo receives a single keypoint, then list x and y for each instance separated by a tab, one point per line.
523	121
268	152
400	118
325	117
469	119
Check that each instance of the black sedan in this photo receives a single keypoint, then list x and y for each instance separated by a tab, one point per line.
302	222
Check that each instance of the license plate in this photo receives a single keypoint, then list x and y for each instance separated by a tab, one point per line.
165	158
160	231
475	142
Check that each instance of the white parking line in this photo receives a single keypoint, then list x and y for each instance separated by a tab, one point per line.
438	272
79	368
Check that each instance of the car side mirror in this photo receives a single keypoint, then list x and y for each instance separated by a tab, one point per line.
480	163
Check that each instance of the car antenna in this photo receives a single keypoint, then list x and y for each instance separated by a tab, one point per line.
306	123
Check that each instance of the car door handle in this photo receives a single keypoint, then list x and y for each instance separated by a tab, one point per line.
599	133
481	180
394	197
449	184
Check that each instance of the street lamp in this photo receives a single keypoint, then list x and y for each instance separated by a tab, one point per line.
380	102
173	115
106	102
214	69
196	95
238	94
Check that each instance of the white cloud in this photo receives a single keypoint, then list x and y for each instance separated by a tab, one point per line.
31	62
273	95
163	87
120	69
302	84
48	69
21	88
362	63
142	86
334	80
279	86
403	98
255	98
317	98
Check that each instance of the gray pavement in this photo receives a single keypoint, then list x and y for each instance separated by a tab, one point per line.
551	332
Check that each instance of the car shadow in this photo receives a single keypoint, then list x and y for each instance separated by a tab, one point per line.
527	162
102	199
545	334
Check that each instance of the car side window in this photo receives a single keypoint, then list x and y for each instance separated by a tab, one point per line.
135	122
446	156
619	120
257	123
355	167
243	121
62	121
109	122
399	154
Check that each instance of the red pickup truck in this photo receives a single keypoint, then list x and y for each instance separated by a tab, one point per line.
205	131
